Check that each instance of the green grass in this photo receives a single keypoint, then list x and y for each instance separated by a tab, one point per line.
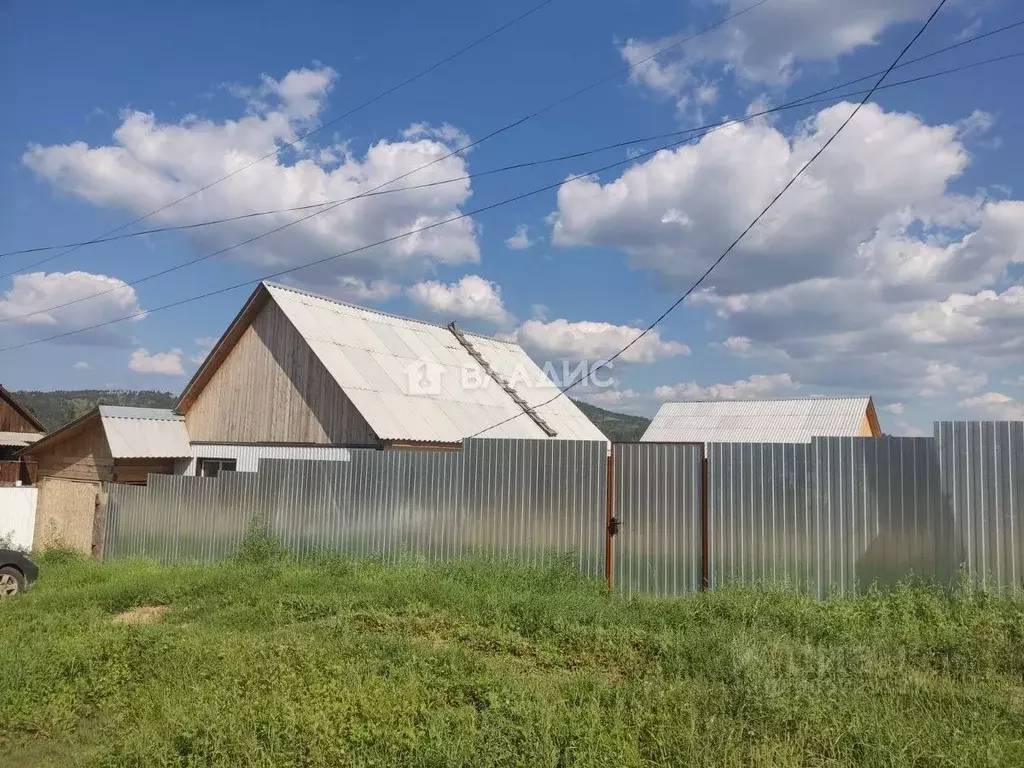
265	661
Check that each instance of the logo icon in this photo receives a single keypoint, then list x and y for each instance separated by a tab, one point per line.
424	378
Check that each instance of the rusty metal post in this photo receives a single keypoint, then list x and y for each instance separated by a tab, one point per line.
609	529
705	565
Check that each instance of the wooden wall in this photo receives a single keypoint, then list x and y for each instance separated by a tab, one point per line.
12	421
134	471
82	455
271	388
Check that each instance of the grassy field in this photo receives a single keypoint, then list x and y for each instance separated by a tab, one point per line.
332	662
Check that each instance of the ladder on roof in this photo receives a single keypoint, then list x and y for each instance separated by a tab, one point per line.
486	367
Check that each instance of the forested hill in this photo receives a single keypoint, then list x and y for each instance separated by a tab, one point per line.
54	409
617	427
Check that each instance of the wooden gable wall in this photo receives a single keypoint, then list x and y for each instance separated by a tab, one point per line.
271	388
82	455
12	421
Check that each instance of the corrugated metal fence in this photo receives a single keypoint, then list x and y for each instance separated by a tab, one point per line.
835	515
524	499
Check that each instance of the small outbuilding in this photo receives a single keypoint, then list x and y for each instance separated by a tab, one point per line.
19	428
107	444
781	420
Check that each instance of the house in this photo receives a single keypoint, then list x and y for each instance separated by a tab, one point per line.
301	376
300	372
18	429
107	444
783	420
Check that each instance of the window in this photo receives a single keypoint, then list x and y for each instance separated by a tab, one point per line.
213	467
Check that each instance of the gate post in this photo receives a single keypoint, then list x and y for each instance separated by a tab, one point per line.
610	522
705	569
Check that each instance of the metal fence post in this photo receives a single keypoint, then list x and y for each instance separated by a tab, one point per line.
610	522
705	565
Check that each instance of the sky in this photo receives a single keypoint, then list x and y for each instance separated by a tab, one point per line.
893	267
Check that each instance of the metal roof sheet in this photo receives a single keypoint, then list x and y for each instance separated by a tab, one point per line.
414	381
18	439
144	433
791	420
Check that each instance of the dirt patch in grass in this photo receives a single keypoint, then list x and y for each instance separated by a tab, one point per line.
141	614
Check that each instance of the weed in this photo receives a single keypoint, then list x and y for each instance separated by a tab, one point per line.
271	660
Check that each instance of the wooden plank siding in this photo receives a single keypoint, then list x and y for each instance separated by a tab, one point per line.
271	388
12	419
82	455
135	471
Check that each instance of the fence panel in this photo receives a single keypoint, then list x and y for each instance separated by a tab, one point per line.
657	500
525	499
763	519
982	482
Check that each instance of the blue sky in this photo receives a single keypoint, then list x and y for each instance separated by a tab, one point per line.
894	268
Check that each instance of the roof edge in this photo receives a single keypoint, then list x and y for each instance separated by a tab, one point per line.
22	410
303	292
256	301
61	432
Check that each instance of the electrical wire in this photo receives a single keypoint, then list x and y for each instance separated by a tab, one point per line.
301	137
530	116
704	129
311	206
740	237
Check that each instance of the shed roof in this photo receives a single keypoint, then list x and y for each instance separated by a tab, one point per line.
784	420
414	381
144	433
131	433
18	439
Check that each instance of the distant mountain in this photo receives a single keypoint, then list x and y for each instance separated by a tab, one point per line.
54	409
617	427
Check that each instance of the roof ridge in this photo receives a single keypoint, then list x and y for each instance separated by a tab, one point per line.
304	292
771	399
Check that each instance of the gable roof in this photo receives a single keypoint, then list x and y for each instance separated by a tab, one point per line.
783	420
131	433
412	381
21	410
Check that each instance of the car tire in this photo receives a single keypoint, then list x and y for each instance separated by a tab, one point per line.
12	582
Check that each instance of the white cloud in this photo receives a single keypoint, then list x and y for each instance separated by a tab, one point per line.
593	341
520	240
994	406
80	366
446	133
472	298
163	363
757	386
150	163
363	291
768	44
609	398
870	261
896	408
205	344
37	291
675	210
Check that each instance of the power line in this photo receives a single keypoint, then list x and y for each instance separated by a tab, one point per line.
492	134
704	130
742	234
326	259
303	136
311	206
